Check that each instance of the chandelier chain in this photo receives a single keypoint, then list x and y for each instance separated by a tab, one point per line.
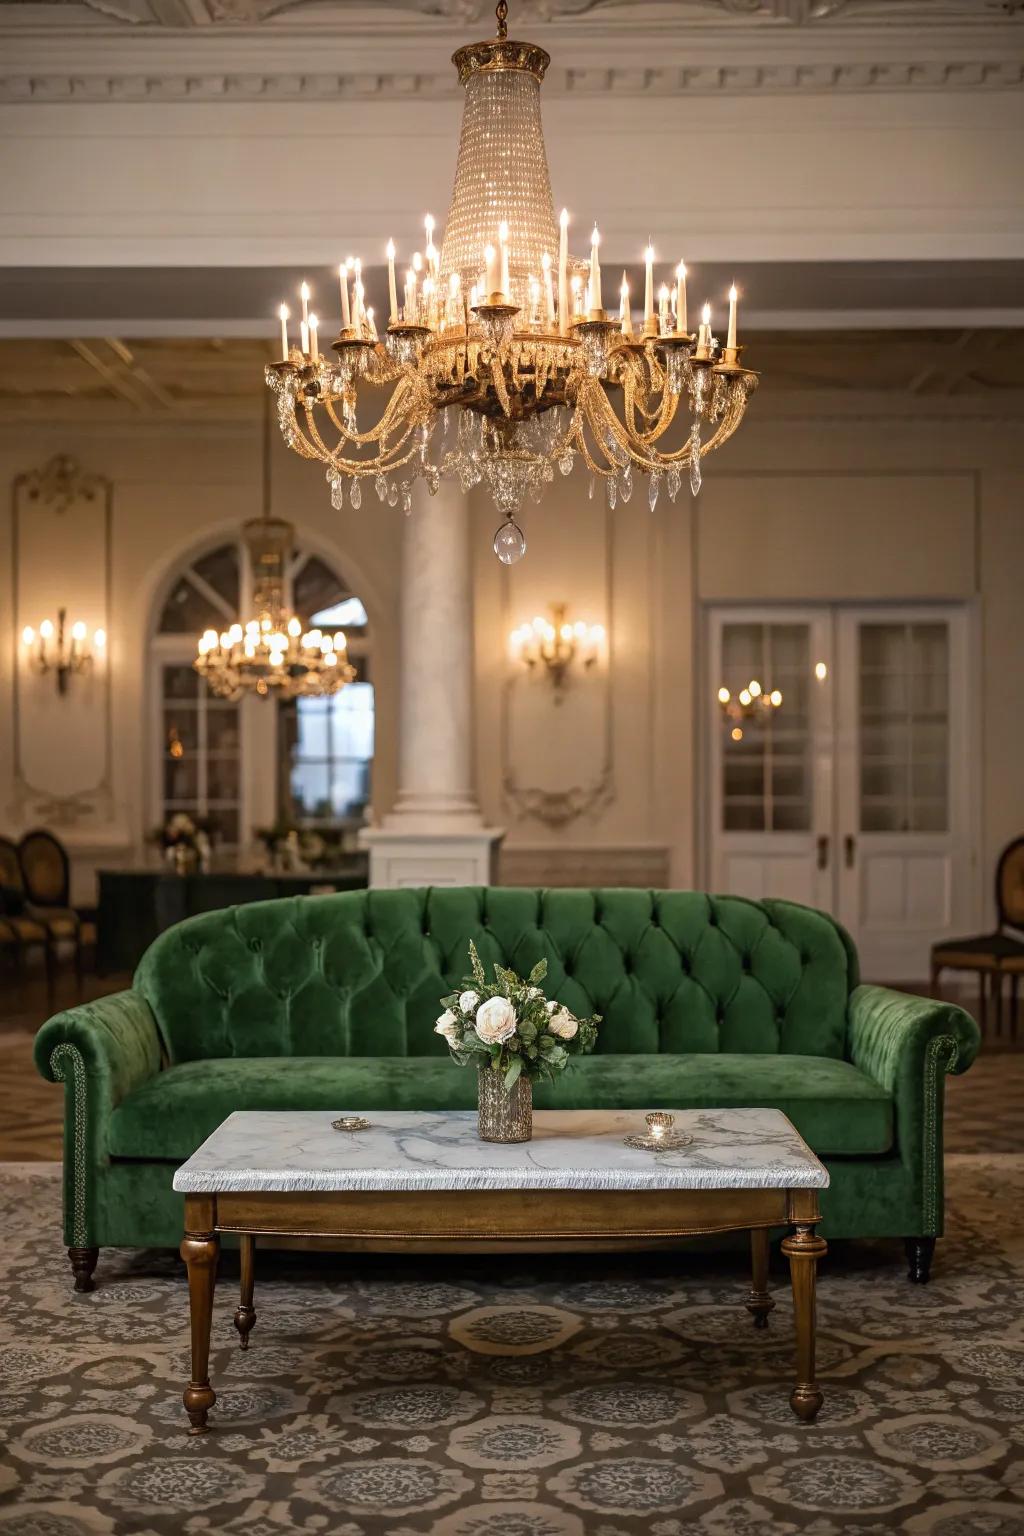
502	14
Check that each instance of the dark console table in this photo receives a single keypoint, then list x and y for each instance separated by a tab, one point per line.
136	905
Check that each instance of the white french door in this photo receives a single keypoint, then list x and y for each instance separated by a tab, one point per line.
852	793
905	876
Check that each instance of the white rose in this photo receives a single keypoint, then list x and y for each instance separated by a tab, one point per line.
468	1001
563	1024
552	1006
495	1021
448	1025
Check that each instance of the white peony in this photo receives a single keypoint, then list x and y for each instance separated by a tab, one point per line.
448	1025
563	1024
495	1021
468	1001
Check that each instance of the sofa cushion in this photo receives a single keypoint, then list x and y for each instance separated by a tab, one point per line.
835	1107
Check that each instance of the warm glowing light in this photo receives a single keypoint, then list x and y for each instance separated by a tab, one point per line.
736	733
283	312
733	294
78	631
46	629
820	671
390	250
754	688
28	635
776	697
99	639
745	696
705	314
724	695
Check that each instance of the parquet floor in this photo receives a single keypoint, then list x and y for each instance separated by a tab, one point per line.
984	1108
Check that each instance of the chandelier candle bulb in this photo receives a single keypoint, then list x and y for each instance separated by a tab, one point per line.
731	337
663	309
282	315
304	337
549	292
304	296
506	284
625	308
392	285
314	342
681	325
346	319
595	271
563	272
649	289
490	270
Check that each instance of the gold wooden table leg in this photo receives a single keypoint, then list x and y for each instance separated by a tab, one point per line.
245	1313
759	1303
200	1249
803	1249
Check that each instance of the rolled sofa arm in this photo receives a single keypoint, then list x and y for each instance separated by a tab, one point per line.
101	1051
893	1036
907	1044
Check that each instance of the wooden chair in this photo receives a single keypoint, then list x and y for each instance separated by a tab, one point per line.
20	929
46	874
993	955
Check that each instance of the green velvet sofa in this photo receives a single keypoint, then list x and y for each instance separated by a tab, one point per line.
329	1002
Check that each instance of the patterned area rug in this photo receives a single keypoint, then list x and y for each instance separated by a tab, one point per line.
518	1398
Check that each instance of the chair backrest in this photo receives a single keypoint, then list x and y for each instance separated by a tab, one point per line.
10	866
1010	885
45	869
361	973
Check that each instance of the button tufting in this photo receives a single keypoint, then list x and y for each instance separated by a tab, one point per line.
256	945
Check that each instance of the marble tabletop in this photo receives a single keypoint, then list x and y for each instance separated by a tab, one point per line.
294	1150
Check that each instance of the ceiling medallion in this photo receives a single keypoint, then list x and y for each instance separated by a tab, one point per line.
501	363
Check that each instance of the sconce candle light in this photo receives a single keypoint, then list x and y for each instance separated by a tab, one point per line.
556	645
63	652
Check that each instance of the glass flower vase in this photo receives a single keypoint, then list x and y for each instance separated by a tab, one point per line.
503	1114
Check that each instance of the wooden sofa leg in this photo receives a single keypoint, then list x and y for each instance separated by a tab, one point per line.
919	1258
83	1262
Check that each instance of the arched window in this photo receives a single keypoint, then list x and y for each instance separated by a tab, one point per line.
211	757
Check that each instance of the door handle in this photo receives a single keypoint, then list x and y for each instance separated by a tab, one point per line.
849	849
823	842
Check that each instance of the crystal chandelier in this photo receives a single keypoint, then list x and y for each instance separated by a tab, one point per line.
504	332
272	653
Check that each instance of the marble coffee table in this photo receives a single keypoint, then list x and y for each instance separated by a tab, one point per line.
425	1180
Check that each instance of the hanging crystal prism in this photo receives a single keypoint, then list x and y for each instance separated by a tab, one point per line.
509	542
653	488
695	475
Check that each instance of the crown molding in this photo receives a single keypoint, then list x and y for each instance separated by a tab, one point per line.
183	87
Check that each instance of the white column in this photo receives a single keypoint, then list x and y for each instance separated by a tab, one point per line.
435	834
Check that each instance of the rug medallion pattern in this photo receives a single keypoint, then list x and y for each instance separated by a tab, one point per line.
518	1397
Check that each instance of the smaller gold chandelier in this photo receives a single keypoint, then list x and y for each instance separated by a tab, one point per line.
751	703
53	650
557	646
272	652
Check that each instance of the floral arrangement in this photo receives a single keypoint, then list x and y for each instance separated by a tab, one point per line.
509	1024
293	847
180	831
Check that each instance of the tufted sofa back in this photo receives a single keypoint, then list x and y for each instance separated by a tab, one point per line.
360	973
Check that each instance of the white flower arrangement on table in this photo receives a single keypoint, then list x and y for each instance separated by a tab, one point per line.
510	1024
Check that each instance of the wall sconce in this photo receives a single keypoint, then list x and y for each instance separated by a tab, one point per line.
751	703
53	651
557	646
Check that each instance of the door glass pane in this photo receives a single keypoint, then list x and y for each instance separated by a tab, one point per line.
766	777
904	727
201	771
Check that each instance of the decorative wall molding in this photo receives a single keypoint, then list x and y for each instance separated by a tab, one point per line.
61	487
557	807
645	866
982	74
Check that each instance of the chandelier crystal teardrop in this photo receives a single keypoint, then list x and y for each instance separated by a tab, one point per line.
504	330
